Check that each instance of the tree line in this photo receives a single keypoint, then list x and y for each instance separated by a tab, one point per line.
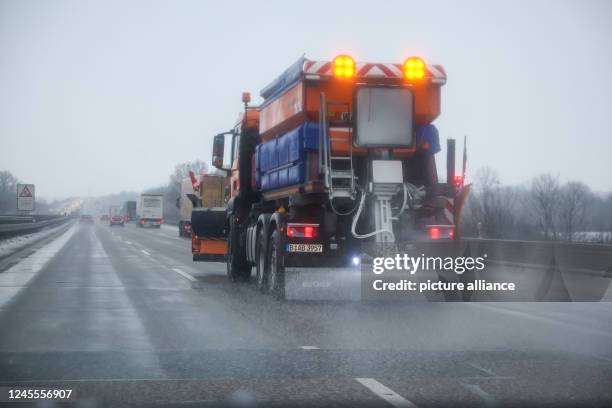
545	209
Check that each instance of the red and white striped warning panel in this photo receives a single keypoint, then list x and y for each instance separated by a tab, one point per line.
449	210
374	70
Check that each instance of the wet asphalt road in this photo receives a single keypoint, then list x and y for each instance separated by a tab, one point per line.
124	315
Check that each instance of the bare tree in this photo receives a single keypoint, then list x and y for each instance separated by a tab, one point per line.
491	207
605	220
545	194
545	209
8	191
7	182
182	170
572	207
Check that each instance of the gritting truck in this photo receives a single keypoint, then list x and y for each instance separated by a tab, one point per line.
336	166
205	191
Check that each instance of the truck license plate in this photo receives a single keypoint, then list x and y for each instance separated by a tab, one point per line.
304	247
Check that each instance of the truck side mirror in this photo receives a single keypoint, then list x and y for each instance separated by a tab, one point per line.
218	151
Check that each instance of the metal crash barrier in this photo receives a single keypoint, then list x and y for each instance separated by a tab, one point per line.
18	225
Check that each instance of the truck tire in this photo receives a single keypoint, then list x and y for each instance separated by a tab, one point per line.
276	270
180	228
237	268
261	263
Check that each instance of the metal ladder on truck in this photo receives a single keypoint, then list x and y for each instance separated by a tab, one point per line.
338	172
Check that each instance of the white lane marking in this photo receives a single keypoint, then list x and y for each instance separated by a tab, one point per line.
487	398
145	252
309	348
386	393
484	370
133	334
17	277
525	315
184	274
604	358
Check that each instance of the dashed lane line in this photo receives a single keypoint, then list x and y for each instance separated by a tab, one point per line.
185	274
482	369
177	270
309	348
386	393
486	398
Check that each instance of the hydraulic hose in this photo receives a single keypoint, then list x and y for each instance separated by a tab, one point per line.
356	218
404	203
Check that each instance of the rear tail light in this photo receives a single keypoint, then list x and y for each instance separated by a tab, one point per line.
436	232
458	180
302	230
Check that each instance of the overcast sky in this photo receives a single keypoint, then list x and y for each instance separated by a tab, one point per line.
102	96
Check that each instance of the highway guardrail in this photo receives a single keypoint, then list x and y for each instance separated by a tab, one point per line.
545	270
11	225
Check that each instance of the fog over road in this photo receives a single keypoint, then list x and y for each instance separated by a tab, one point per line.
123	314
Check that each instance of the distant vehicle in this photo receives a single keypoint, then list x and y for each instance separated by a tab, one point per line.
104	217
116	217
151	210
129	211
86	219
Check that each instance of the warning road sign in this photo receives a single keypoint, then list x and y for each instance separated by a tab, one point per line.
25	191
25	197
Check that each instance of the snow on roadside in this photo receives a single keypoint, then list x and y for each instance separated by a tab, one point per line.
11	245
600	237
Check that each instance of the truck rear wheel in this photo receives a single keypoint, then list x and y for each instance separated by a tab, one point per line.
180	228
261	263
276	272
237	268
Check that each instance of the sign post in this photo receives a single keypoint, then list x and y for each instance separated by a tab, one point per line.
25	197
